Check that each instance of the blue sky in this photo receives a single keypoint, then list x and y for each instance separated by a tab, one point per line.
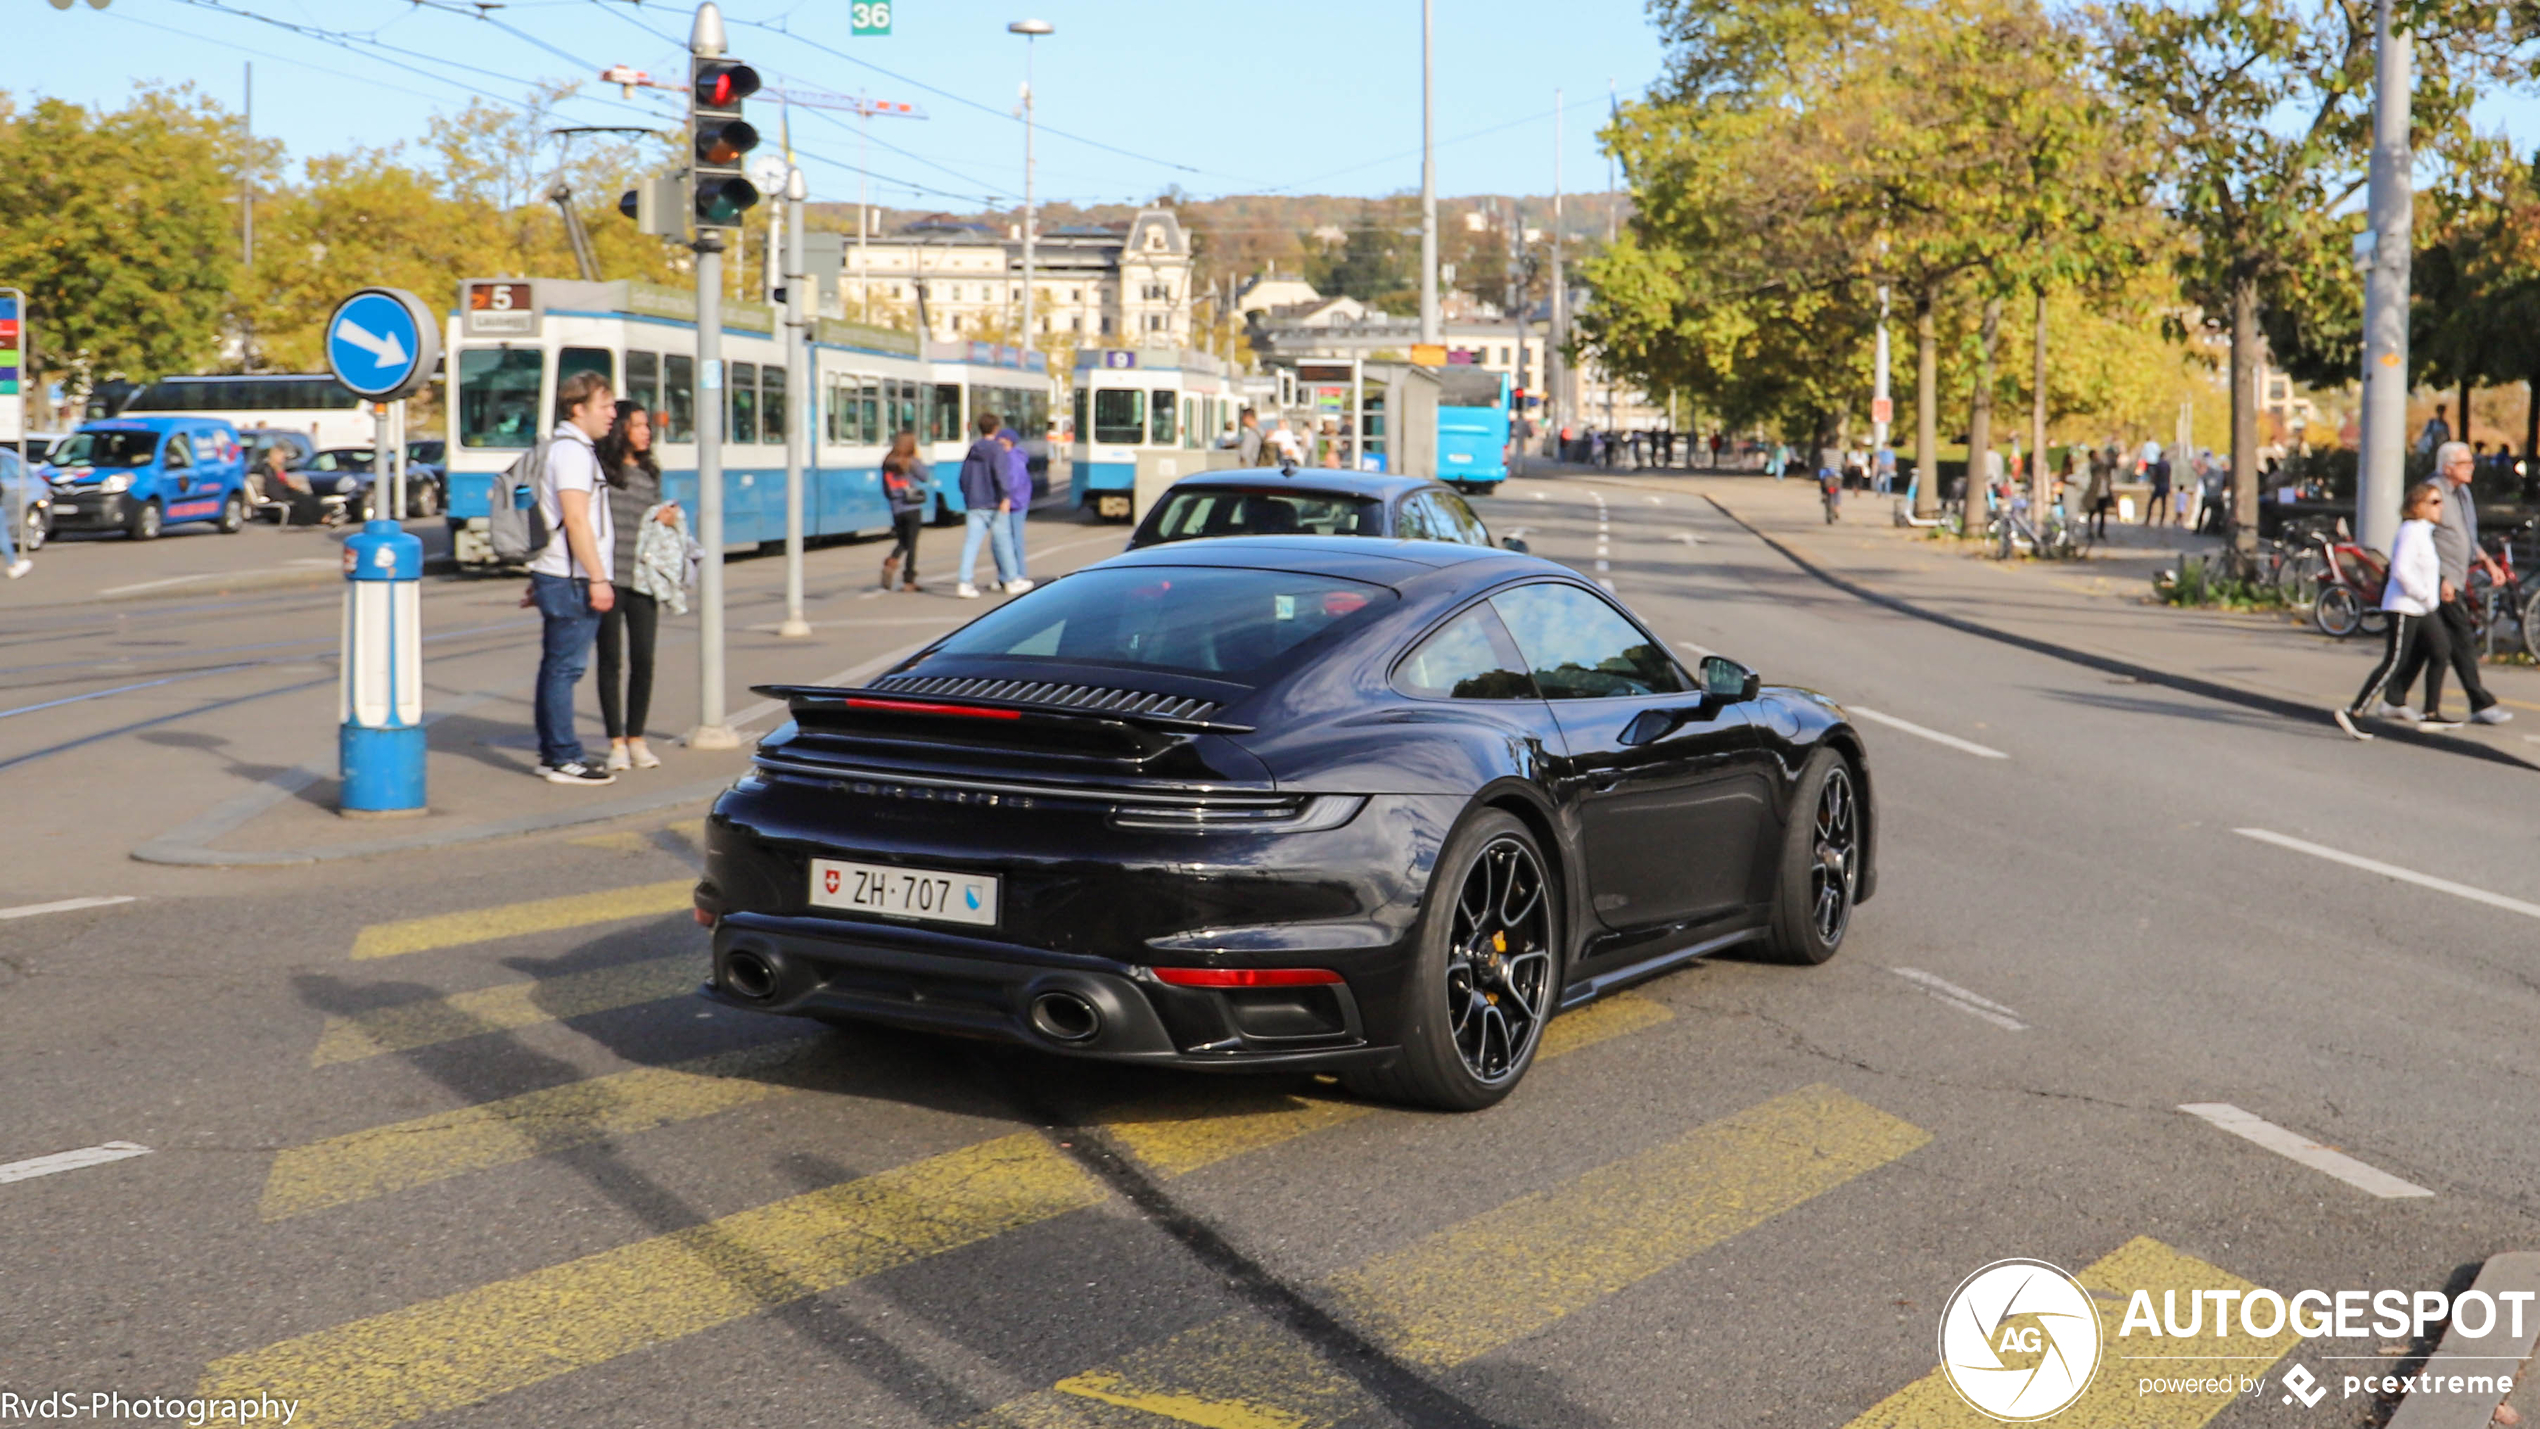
1310	96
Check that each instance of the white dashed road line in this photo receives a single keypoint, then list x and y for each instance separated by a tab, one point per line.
1963	746
2392	870
1943	991
30	910
99	1155
2297	1147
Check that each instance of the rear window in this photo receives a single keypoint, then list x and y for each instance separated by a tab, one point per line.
1193	620
1189	514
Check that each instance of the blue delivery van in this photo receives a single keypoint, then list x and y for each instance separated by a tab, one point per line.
139	475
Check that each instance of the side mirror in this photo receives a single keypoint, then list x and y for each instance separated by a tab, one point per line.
1511	543
1727	681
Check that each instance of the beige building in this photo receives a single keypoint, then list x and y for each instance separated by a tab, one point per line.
1097	286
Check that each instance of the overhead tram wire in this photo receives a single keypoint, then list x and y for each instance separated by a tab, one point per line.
285	60
1414	153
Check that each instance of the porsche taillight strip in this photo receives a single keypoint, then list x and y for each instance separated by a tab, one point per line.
922	707
1245	977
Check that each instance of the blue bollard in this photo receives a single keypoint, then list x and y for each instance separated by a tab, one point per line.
379	694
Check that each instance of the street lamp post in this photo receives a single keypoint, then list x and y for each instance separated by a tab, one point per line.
2384	253
1031	31
1429	324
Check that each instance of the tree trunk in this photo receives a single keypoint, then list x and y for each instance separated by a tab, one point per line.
2461	432
2041	482
2244	411
1980	416
1926	406
2530	465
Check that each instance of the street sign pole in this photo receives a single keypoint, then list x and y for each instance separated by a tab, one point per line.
801	406
705	41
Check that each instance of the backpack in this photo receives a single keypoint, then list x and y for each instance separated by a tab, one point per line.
516	527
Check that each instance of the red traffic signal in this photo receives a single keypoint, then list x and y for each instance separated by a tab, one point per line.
719	84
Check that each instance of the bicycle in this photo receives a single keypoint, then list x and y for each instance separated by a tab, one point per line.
2351	580
2493	605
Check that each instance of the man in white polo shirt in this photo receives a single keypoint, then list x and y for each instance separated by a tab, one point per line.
569	576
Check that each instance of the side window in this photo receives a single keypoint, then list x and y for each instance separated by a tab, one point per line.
1418	521
771	383
1469	658
741	402
1468	527
1581	648
643	382
679	397
1160	416
180	454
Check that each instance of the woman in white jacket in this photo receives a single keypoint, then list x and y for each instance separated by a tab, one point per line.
2409	597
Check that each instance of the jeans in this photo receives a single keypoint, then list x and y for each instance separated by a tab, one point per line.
12	521
1014	534
627	635
991	526
564	649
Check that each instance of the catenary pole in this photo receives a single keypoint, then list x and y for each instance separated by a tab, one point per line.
1031	31
1556	362
1430	328
2383	469
801	406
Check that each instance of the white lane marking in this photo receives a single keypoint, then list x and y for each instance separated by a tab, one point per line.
1965	746
99	1155
1609	585
2297	1147
1655	500
309	562
2391	870
1687	538
1539	496
1604	565
30	910
1697	647
1943	990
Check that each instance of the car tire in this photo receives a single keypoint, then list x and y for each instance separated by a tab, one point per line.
146	522
1468	1031
423	499
1819	878
233	514
38	530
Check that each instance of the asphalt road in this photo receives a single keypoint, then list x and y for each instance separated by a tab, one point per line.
440	1137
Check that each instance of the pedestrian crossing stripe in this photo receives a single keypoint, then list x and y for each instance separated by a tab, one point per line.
2113	1400
1495	1278
472	1346
407	1026
402	1155
511	920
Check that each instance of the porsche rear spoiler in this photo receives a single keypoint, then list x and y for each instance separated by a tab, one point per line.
850	710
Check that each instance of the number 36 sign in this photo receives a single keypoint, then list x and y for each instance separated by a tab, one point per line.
870	17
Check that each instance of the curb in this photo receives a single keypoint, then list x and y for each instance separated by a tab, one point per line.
2109	664
2517	1271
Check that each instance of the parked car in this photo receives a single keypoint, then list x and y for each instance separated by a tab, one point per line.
140	474
353	473
23	492
1286	805
40	444
1298	501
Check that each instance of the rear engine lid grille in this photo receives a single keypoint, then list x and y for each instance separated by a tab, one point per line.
1084	699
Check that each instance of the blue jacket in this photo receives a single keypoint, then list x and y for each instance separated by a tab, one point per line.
1018	472
983	475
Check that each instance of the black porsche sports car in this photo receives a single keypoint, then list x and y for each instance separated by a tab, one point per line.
1380	808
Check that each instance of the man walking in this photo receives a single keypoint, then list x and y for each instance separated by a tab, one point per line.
569	576
1018	496
983	491
2456	548
1248	440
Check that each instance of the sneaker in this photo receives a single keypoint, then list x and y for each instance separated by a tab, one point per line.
1017	587
2346	722
579	773
2387	710
2436	721
618	759
2493	714
643	754
966	591
20	567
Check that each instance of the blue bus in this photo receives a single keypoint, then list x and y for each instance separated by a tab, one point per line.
1472	428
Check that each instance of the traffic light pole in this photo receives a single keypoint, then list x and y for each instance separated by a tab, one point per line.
802	404
712	732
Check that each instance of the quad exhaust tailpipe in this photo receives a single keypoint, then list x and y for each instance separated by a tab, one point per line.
1066	1017
748	975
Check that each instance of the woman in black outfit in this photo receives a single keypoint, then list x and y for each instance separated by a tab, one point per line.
906	483
628	629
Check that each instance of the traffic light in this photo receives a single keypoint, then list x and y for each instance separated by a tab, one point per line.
654	205
720	192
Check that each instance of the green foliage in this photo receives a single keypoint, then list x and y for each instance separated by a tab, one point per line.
1377	260
122	227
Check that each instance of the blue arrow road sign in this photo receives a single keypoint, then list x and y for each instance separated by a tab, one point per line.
380	343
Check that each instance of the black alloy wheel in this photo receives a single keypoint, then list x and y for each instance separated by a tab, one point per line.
1820	876
1486	975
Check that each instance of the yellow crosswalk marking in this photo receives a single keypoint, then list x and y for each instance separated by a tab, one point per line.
409	1025
1177	1134
479	1343
642	840
2114	1400
475	1345
374	1162
1498	1277
544	915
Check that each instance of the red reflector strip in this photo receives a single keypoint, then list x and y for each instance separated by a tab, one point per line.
921	707
1245	977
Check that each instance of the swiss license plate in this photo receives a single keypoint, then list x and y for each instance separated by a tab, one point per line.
925	893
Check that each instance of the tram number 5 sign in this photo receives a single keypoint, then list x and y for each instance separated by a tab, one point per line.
870	17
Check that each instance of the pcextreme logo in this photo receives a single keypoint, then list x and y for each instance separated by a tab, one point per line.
2019	1340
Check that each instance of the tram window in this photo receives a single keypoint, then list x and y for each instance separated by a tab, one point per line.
903	395
570	360
1080	431
679	397
1190	421
1120	415
741	401
643	381
868	409
771	403
498	396
944	417
829	413
983	400
1162	412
